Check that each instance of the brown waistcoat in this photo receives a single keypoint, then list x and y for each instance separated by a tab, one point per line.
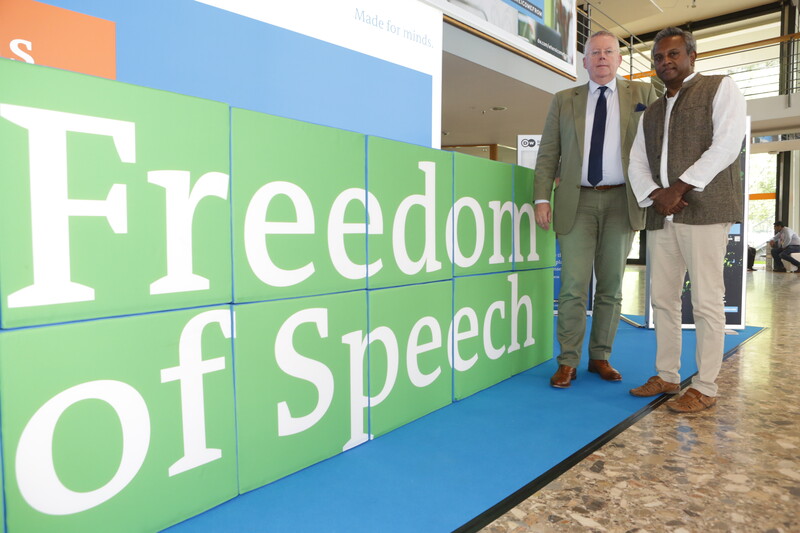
691	131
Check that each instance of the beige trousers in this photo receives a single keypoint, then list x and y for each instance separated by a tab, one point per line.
701	250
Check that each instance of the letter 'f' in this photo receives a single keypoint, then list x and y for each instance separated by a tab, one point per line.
50	205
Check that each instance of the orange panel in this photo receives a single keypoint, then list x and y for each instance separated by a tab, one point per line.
47	35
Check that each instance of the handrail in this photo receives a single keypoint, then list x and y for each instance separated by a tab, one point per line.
639	75
630	44
728	50
748	46
634	54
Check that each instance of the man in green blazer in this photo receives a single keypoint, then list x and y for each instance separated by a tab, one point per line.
584	153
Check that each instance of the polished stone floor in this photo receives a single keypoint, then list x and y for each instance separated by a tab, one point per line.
735	467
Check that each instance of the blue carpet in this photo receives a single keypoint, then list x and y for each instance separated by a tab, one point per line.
443	470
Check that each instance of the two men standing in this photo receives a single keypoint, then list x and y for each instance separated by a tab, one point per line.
683	167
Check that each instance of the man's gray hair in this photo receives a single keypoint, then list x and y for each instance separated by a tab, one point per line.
672	31
602	33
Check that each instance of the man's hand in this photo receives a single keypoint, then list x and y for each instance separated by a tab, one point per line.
670	200
667	202
542	214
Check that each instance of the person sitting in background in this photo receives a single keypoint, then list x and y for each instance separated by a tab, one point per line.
785	243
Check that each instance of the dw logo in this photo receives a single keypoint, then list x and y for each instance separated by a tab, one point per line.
528	143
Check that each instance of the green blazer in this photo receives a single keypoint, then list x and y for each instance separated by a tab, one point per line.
561	149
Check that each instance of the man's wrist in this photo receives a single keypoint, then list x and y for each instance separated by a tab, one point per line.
681	187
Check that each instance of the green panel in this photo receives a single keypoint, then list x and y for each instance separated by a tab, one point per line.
84	386
488	346
540	253
475	369
484	215
413	190
538	285
310	179
405	321
2	495
129	151
293	383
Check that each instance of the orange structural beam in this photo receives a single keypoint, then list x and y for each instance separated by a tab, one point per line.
762	196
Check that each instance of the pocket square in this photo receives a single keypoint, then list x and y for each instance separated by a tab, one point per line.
639	107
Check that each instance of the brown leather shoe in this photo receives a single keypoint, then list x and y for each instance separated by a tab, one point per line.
692	401
655	386
563	377
604	368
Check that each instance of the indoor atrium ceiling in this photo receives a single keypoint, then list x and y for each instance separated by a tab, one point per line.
636	17
470	91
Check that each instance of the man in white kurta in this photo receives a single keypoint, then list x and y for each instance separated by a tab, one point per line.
684	169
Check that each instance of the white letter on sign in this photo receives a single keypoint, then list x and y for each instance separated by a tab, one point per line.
414	349
16	49
452	226
36	474
50	205
182	201
359	402
338	228
190	374
305	368
516	304
427	202
255	228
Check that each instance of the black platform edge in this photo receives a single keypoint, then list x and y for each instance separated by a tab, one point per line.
511	501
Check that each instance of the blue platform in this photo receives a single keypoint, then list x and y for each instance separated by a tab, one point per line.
444	470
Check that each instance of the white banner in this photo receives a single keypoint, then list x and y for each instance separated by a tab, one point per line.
527	150
543	29
403	32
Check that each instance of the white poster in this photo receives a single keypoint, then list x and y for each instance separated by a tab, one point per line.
542	30
527	150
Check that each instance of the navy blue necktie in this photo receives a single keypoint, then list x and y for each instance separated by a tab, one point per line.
595	173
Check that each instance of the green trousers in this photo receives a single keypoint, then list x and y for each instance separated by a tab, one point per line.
601	237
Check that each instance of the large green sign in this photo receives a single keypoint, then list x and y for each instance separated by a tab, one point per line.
483	215
498	331
300	364
410	196
410	371
161	255
298	206
104	419
532	247
113	198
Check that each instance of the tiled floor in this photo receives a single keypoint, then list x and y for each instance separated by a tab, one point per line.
735	467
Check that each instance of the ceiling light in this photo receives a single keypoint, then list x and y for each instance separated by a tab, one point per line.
499	108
